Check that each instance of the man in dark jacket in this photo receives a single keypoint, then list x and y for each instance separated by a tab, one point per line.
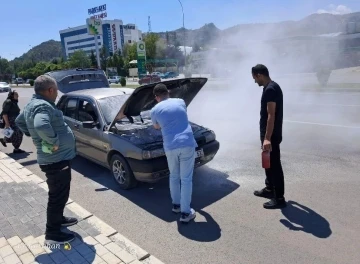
55	145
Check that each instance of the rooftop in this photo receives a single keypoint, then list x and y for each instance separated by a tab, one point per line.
99	93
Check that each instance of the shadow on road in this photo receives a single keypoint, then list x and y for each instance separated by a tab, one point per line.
308	220
201	231
19	156
209	186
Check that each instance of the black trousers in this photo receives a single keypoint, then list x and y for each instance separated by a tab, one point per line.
58	180
274	175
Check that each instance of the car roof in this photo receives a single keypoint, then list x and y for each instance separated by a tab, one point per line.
99	93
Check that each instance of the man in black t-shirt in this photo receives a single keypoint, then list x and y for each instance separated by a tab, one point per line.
271	120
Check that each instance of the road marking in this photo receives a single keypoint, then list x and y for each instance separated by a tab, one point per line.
317	92
320	124
323	104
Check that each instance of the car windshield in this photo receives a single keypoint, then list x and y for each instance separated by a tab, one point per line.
110	106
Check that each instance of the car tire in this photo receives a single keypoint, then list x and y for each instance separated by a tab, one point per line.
122	173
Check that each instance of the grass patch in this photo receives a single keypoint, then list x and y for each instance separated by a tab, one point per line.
126	86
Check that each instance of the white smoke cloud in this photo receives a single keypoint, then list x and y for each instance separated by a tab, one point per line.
335	10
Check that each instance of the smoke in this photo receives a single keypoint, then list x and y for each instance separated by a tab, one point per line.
231	104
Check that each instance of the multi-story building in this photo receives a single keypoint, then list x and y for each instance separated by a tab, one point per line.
115	36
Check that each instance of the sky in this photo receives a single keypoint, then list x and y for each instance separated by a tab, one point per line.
28	23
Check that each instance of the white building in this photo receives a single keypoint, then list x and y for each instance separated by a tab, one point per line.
115	35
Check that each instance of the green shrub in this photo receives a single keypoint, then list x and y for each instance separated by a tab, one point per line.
31	82
123	81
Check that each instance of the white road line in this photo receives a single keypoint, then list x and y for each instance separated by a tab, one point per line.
320	124
323	104
316	92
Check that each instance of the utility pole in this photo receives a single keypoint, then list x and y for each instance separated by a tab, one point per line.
182	9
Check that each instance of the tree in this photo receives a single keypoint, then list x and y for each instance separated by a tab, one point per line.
79	59
196	47
93	60
118	61
150	45
130	52
103	58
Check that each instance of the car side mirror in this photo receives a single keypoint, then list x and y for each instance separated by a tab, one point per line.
89	124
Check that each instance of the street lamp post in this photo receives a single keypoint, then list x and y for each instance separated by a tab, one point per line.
184	32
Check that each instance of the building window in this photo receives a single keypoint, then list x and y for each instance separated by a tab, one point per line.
139	38
129	41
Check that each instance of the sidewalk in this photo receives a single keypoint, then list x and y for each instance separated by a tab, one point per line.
23	202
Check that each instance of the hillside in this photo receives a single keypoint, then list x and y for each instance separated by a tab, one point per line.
314	24
207	35
45	51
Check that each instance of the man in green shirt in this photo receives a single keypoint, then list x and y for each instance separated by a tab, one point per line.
55	144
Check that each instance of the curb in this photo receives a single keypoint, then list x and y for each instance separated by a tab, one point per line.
122	247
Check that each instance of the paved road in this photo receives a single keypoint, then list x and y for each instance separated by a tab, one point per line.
320	152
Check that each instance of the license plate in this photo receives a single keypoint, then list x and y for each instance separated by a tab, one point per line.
199	153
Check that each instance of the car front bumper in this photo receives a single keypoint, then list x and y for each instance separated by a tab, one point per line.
153	170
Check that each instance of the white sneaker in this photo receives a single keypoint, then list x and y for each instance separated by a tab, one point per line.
185	218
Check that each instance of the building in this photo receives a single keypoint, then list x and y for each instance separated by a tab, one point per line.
115	36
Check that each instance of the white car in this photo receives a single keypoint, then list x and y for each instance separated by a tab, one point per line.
114	79
5	87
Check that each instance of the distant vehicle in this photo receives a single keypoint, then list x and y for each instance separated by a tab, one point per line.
147	79
79	79
5	87
168	75
156	73
113	127
114	79
19	80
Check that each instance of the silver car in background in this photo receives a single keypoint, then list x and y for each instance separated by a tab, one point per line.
5	87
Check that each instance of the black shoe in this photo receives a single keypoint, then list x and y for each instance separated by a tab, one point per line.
18	151
265	193
275	204
69	221
176	208
59	238
2	141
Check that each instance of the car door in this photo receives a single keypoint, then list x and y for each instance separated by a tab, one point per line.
92	144
68	106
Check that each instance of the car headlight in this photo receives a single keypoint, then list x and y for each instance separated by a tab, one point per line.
209	136
151	154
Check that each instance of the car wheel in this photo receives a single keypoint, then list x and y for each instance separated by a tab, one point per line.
122	172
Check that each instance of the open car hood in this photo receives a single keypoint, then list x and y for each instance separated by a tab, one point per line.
79	79
142	99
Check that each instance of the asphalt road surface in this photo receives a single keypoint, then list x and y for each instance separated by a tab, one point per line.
320	151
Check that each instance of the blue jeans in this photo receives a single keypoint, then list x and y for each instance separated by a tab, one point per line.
181	165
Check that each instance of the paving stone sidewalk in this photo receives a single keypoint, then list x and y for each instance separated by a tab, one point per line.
23	201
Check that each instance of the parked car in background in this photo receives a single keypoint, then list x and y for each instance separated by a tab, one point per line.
114	79
5	87
147	79
168	75
19	80
113	127
156	73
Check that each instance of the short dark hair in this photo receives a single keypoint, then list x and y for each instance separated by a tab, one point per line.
260	69
160	89
11	94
